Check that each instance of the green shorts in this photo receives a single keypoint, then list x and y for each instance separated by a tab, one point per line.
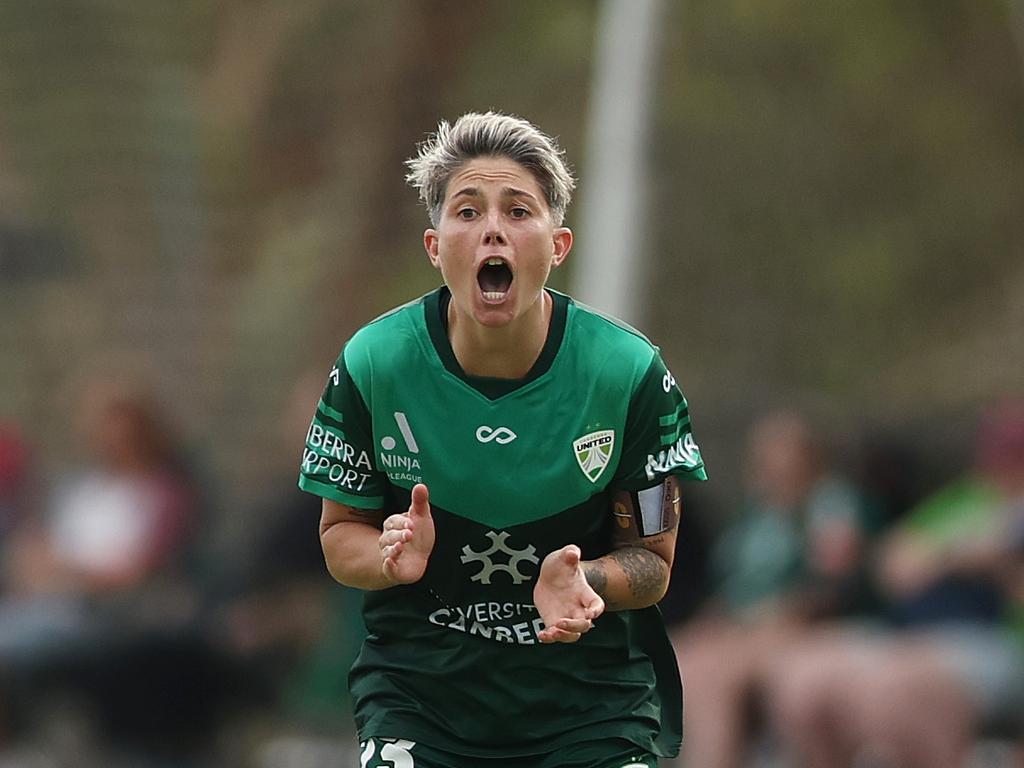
606	753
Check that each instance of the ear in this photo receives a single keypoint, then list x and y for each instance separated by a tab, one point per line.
431	243
562	241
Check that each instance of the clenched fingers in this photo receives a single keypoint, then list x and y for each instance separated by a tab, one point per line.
397	523
392	551
565	631
389	538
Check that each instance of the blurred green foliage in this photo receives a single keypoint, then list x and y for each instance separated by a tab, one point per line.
850	177
836	212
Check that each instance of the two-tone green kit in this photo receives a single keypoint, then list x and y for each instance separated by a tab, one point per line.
516	469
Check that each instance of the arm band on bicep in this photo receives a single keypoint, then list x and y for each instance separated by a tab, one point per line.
651	511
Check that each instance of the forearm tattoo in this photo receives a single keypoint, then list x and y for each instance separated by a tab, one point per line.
646	572
644	521
596	577
646	576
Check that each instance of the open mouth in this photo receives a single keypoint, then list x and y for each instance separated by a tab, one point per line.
495	279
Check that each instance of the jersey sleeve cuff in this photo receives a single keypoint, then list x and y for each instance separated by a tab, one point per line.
331	492
697	474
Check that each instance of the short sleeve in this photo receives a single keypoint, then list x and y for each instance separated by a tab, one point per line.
337	462
658	441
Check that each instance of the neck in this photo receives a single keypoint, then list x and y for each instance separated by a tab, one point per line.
508	352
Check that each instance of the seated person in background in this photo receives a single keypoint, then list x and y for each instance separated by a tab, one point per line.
793	555
121	518
950	574
293	632
103	559
14	493
14	462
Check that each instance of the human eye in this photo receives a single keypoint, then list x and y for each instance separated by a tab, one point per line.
466	214
519	212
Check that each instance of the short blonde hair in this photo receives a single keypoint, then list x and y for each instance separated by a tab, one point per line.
489	134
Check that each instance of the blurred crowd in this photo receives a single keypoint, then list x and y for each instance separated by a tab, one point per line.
847	614
855	620
130	634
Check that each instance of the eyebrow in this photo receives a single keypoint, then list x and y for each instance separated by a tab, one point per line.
506	192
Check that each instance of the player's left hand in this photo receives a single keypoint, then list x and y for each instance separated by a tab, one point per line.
566	602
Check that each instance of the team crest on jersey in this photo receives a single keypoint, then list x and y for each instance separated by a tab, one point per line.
594	451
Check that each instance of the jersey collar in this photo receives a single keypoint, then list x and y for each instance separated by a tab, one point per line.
435	307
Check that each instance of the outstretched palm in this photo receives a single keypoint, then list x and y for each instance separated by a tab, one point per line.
408	539
566	602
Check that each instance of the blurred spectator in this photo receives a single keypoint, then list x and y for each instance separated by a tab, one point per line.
118	521
794	555
292	629
277	593
14	464
104	566
889	474
689	584
952	574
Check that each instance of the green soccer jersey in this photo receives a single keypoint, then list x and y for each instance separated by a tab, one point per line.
516	469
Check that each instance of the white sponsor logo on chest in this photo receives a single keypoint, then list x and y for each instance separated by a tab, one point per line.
501	435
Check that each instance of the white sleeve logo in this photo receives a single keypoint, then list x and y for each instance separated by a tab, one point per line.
668	381
683	453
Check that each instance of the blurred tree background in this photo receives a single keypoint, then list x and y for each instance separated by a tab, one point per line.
209	193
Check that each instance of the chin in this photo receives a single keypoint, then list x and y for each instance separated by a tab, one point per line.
495	317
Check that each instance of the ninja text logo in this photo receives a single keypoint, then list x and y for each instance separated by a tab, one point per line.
515	557
397	465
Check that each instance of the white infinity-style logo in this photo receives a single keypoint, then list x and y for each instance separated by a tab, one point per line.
501	435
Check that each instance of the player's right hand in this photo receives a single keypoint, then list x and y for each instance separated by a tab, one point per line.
408	539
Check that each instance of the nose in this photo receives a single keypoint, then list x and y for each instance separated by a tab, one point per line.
493	233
